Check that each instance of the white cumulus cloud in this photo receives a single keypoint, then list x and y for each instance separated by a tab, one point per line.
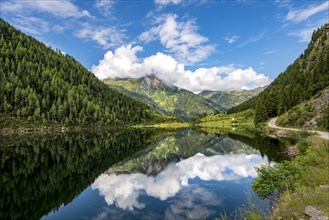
179	38
124	63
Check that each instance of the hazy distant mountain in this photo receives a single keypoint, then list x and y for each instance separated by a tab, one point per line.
228	99
164	98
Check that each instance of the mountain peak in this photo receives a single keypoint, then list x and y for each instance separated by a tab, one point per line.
152	80
164	98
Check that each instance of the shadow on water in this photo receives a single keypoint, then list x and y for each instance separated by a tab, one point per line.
41	173
273	148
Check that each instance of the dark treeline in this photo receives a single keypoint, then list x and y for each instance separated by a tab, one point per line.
40	173
265	145
44	86
308	75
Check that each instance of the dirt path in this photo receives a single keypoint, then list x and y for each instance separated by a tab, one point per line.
271	123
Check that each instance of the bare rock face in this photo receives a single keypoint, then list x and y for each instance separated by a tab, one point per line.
324	187
315	214
291	152
281	133
319	103
311	211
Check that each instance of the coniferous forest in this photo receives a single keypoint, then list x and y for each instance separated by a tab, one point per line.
157	121
307	76
44	86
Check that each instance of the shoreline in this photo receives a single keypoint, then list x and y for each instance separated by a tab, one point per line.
55	129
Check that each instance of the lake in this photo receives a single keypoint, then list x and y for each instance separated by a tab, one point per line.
132	174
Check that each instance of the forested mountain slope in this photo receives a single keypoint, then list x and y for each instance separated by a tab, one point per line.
45	87
164	98
229	99
303	79
311	114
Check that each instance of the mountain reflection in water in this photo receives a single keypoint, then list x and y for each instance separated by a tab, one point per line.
130	174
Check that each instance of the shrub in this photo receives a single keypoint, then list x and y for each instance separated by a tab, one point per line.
302	146
276	179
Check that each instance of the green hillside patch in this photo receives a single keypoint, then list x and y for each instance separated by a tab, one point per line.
229	99
241	120
311	114
162	121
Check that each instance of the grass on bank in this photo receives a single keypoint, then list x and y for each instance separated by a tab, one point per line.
162	121
171	125
297	181
241	120
313	170
238	121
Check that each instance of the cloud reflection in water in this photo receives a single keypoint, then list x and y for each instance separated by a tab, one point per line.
123	190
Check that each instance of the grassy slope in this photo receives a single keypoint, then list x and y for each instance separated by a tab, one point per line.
312	171
241	120
132	88
163	98
307	114
229	99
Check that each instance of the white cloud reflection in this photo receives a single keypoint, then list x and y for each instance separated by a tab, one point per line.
123	190
194	203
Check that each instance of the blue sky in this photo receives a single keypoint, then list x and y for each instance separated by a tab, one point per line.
197	45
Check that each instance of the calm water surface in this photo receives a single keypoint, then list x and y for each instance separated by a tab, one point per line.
131	174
